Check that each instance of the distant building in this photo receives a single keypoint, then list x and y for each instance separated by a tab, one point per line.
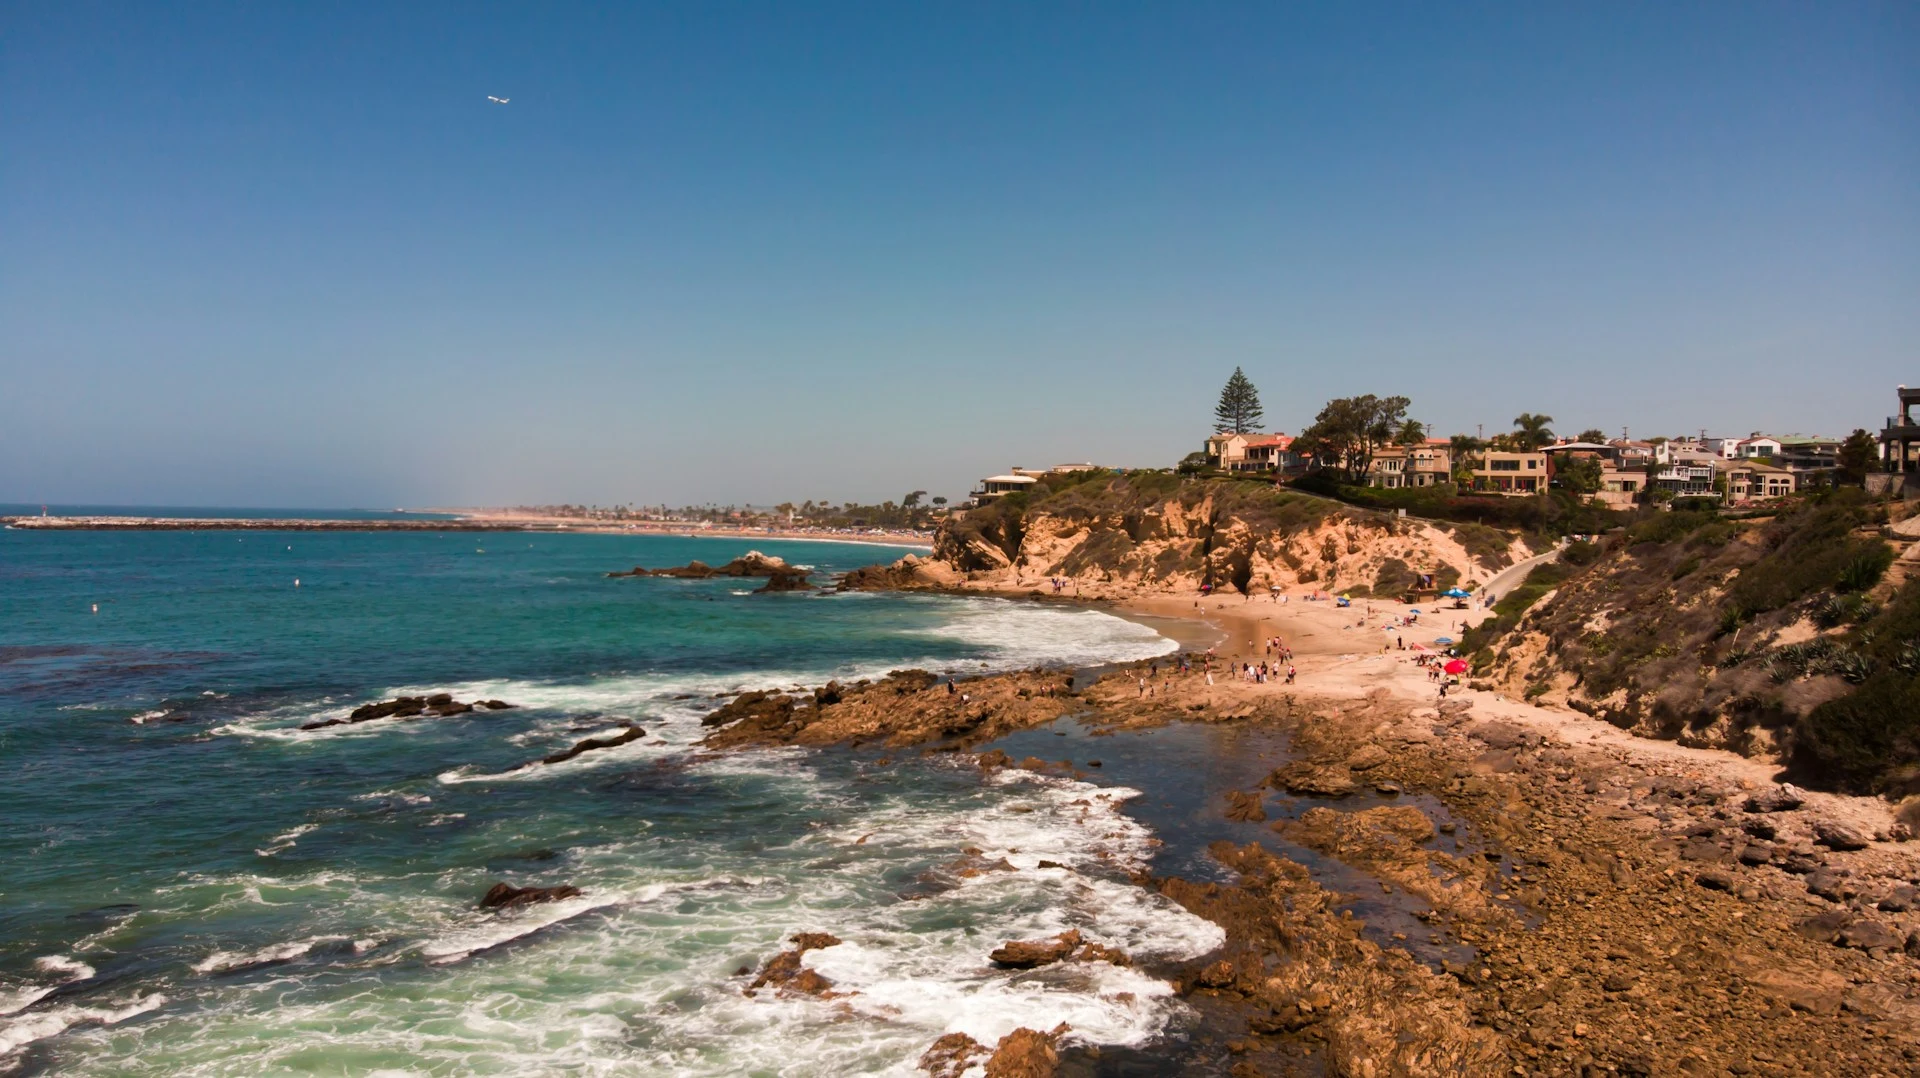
1510	473
1251	452
1688	475
995	487
1806	455
1425	464
1751	480
1899	435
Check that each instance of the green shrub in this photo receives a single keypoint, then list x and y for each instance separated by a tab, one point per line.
1865	569
1581	553
1853	742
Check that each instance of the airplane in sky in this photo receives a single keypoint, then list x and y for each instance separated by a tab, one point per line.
497	100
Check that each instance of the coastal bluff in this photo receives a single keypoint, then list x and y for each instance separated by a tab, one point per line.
1156	532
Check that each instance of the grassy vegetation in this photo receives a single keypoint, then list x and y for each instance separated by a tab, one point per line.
1669	630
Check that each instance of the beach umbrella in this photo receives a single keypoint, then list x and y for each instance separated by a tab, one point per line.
1443	639
1457	666
1454	593
1415	610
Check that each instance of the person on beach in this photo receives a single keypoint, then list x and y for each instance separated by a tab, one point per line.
1290	673
950	689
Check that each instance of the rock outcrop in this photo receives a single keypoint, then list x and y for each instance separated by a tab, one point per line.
779	575
624	737
785	973
439	705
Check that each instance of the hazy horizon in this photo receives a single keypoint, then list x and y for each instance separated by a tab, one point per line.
273	257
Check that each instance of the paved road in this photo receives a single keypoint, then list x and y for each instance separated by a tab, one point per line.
1513	575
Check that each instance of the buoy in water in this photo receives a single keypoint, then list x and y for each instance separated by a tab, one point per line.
296	581
96	608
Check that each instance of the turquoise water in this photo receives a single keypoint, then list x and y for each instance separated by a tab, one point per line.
190	884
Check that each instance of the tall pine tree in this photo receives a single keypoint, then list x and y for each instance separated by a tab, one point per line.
1239	409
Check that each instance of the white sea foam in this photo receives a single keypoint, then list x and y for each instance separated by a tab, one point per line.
1001	634
149	716
285	840
228	961
19	1032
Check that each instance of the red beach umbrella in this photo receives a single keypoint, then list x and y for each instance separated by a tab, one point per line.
1457	666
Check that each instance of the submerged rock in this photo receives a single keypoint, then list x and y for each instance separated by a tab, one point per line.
505	896
1304	779
630	734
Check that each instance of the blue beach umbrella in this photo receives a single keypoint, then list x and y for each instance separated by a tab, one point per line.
1454	593
1443	639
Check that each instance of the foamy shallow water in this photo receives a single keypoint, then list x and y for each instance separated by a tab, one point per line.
201	887
639	975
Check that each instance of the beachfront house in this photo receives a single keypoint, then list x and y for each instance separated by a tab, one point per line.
995	487
1752	480
1423	464
1511	473
1620	483
1251	452
1688	474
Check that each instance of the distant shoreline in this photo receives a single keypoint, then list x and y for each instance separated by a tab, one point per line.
475	523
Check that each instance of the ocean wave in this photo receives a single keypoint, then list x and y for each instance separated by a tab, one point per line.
231	961
40	1024
1026	634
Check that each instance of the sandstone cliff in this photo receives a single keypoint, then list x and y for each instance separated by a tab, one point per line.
1157	531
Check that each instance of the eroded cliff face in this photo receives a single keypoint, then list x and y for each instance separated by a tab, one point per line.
1233	535
1785	640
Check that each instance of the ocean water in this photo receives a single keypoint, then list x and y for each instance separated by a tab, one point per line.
214	512
190	884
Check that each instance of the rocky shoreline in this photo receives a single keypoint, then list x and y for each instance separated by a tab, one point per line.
1611	914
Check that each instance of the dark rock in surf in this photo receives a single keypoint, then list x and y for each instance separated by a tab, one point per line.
439	705
784	971
630	734
779	575
505	896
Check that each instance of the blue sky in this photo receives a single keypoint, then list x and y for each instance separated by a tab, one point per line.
270	254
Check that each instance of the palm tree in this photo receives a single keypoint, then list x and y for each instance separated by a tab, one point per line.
1530	431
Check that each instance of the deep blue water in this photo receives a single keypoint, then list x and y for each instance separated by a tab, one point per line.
189	883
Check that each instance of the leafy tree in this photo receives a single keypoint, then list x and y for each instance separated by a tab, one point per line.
1857	456
1412	432
1193	464
1239	409
1465	447
940	500
1593	434
1349	430
1530	431
1581	475
912	500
